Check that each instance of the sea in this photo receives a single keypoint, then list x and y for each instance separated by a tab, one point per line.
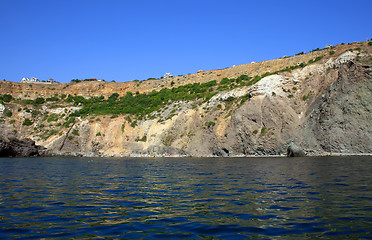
186	198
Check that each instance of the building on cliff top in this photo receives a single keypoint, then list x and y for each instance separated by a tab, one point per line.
30	80
168	75
35	80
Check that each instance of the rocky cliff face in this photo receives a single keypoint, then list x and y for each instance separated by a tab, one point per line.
323	106
339	120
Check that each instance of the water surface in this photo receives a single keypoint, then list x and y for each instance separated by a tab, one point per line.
186	198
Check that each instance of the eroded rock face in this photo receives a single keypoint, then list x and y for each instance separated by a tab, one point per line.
339	121
324	107
294	151
19	148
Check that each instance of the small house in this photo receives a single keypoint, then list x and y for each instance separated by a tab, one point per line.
168	75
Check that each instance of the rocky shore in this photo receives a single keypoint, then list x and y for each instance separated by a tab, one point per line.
13	147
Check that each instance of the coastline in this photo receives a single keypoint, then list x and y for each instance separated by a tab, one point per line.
134	155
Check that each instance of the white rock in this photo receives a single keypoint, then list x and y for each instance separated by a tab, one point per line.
269	84
329	64
73	109
57	110
235	93
312	69
345	57
2	109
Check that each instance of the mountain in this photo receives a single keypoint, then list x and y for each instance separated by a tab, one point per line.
320	101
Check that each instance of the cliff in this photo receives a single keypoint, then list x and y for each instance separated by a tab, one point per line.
320	100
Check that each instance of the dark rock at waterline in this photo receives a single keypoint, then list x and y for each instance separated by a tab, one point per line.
223	152
294	151
13	147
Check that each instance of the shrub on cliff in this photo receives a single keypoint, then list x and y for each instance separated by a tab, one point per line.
53	117
27	122
143	139
39	100
52	99
9	113
6	98
210	124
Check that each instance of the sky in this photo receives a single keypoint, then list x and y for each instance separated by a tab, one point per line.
126	40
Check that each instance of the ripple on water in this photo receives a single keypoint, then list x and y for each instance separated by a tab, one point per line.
186	198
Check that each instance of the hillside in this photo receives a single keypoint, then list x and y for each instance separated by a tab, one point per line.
320	100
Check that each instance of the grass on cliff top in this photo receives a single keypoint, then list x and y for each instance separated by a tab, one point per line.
140	105
144	104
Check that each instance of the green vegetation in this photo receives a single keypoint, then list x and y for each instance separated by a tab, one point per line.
229	114
264	130
332	52
143	139
6	98
75	132
52	117
27	122
305	97
134	124
128	119
255	131
52	99
48	133
142	104
35	113
98	134
69	121
245	98
39	100
9	113
210	124
315	60
369	43
137	106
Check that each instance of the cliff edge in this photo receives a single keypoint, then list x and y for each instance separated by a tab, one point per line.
321	101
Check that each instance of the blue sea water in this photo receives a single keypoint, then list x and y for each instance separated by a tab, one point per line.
186	198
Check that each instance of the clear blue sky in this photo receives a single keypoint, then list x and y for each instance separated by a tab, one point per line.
125	40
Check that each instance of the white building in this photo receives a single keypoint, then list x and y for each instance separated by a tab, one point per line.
29	80
168	75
